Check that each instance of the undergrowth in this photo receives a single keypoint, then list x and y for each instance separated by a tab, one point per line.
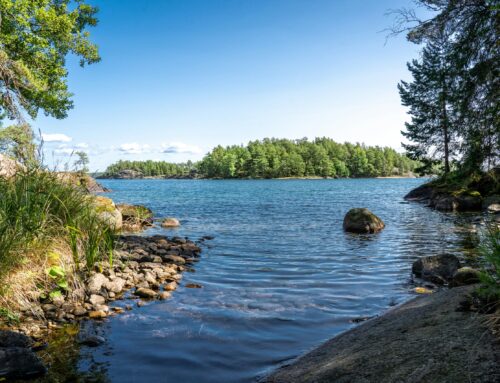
37	210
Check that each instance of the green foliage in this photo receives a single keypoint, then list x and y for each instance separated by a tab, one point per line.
8	316
323	157
489	248
459	72
36	36
150	168
82	162
17	141
36	209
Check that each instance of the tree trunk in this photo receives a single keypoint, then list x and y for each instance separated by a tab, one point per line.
446	134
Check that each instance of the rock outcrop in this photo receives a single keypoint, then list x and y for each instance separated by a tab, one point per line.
17	360
361	220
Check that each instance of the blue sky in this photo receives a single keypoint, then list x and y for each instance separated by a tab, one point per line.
178	77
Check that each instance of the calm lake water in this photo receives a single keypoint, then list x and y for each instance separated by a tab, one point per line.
280	277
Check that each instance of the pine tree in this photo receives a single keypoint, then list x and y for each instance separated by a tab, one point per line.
430	99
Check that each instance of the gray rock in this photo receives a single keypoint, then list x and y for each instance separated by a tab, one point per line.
436	268
96	282
361	220
20	363
97	299
115	286
145	293
174	258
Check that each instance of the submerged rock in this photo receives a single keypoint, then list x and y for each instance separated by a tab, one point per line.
362	220
20	363
437	269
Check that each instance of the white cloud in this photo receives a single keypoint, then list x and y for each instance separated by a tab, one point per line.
179	147
133	148
55	137
65	149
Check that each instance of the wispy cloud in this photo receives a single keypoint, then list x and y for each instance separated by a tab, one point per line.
179	147
55	137
133	148
65	149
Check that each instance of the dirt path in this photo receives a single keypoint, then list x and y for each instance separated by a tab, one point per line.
424	340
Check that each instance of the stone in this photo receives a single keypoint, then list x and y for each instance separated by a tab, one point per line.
135	217
115	286
170	222
20	363
436	268
465	276
14	339
145	293
164	295
108	212
421	193
174	258
494	208
97	314
96	282
193	286
170	286
79	311
97	299
362	220
92	341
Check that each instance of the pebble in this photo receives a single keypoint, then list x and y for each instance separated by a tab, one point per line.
145	293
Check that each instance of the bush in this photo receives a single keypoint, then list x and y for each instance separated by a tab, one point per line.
37	209
489	292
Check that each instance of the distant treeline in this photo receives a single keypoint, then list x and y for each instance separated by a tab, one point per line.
275	158
150	168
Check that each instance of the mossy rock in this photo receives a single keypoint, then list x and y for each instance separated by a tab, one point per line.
135	217
362	220
466	276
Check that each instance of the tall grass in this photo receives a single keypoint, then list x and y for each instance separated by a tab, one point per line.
37	209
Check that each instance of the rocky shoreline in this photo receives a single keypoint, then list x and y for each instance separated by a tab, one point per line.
143	269
428	339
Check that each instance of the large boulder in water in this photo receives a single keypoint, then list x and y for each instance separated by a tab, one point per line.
361	220
438	269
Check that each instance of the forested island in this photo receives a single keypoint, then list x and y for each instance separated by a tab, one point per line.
277	158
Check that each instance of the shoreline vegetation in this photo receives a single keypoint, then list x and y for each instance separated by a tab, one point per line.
272	158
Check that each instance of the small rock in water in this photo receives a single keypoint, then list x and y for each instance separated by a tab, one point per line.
164	295
170	222
170	286
145	293
194	286
99	314
92	341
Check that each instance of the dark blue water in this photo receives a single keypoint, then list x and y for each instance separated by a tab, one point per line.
279	278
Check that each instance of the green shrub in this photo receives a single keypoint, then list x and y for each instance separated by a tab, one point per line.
37	209
489	292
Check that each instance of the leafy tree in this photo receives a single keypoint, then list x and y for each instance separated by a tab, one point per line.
35	38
